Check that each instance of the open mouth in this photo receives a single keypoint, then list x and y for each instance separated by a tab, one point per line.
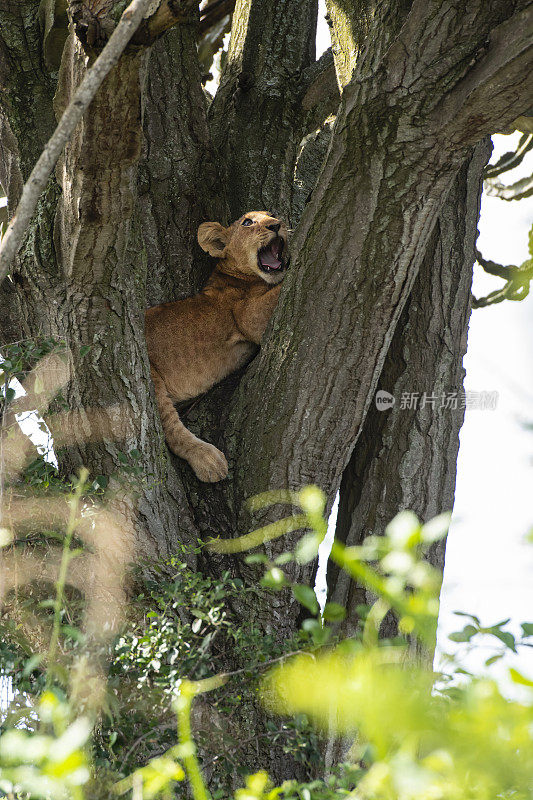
270	258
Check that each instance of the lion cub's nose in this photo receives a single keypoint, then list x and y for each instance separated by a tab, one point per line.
274	227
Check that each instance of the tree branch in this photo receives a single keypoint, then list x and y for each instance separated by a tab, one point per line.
258	100
514	191
169	13
320	92
499	89
27	86
37	181
496	83
512	159
350	22
517	281
212	13
178	181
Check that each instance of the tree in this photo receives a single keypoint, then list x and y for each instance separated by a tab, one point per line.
384	204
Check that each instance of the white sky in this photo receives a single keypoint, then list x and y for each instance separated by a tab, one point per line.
489	567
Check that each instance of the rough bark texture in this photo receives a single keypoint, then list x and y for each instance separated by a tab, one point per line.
80	278
257	114
421	82
179	185
358	250
405	457
27	122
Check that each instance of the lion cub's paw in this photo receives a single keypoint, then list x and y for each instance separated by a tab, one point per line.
208	462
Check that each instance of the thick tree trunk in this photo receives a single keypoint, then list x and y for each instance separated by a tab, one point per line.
179	185
104	282
111	237
357	253
80	278
406	455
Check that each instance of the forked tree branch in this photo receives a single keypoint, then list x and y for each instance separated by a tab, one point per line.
36	183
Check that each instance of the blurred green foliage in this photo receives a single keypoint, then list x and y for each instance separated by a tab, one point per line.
412	734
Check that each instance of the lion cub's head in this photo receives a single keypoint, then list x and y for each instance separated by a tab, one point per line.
254	245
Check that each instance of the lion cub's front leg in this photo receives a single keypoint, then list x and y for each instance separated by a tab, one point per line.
207	461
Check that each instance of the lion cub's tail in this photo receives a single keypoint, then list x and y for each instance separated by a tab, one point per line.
206	460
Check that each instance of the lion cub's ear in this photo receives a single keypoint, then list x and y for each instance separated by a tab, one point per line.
213	238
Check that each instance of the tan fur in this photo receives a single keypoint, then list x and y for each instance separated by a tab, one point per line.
196	342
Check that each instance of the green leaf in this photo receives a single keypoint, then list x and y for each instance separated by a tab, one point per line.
527	629
493	659
73	633
465	635
334	612
312	500
274	579
306	597
517	677
319	634
507	639
284	558
10	394
404	531
470	616
307	548
256	558
500	624
31	664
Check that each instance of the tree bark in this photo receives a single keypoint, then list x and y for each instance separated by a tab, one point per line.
256	116
179	185
406	456
357	252
80	278
421	83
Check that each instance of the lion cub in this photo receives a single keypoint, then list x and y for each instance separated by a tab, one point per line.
196	342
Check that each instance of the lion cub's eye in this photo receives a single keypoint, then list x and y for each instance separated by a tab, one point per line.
247	222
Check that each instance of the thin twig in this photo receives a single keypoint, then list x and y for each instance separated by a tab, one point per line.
36	183
264	664
517	280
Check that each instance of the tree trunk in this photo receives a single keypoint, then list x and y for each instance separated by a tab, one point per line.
179	185
406	455
421	82
80	279
257	118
